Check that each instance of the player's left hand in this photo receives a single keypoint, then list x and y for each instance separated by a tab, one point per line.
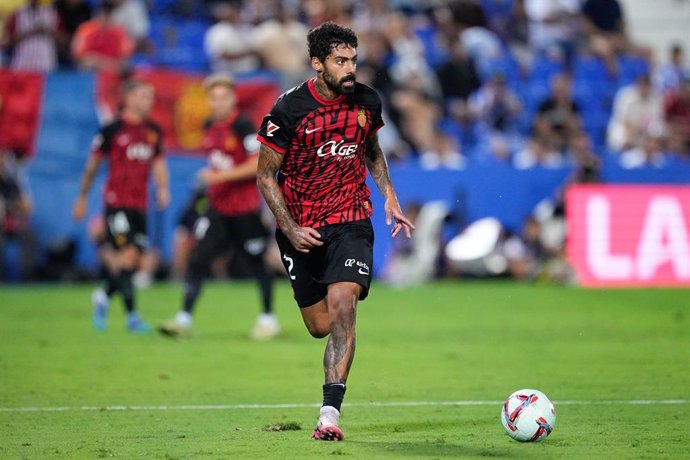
394	213
210	176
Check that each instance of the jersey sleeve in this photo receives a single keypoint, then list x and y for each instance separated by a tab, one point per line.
377	116
103	141
276	129
157	140
246	130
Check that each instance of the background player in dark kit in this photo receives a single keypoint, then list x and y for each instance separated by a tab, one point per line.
320	138
233	219
133	147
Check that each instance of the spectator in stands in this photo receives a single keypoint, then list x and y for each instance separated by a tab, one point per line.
15	213
669	75
133	16
483	45
105	47
558	117
495	106
101	44
517	35
73	13
408	55
369	16
416	108
551	31
443	154
636	108
228	43
31	36
280	44
539	151
580	150
649	152
677	115
458	76
604	26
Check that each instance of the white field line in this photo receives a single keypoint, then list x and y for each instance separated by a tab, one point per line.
202	407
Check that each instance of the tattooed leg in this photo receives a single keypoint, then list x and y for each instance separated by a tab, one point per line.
340	350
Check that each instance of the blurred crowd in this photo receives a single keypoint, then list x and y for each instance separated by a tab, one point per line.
525	83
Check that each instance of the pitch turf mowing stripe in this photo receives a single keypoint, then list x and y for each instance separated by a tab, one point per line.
631	402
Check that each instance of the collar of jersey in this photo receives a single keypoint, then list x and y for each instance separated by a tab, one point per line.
315	94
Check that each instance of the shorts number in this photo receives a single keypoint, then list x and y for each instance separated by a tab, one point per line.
118	223
291	263
201	227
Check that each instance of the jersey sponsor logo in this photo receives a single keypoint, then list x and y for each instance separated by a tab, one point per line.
337	149
309	131
271	128
362	268
218	160
141	152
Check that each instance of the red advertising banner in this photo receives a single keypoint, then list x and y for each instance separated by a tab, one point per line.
629	235
20	104
181	107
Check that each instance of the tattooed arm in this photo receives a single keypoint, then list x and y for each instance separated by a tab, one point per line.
302	238
378	168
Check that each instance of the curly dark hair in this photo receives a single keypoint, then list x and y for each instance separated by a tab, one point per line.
324	38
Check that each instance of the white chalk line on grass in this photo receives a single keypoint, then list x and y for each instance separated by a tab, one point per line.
203	407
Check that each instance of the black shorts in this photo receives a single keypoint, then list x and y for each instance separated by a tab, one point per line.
125	227
216	233
346	255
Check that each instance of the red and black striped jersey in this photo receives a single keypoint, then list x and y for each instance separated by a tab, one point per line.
229	143
130	149
323	174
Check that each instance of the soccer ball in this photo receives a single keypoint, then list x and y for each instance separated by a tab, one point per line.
528	416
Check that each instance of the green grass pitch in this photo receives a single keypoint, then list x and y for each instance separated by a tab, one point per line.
615	363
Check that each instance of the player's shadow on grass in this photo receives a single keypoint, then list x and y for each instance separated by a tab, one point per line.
431	449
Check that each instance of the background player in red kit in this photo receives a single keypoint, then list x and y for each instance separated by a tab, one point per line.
133	147
233	220
320	138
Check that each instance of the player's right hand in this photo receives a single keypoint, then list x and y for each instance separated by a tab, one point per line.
304	238
79	209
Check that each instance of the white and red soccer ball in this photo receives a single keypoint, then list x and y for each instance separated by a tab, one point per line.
528	416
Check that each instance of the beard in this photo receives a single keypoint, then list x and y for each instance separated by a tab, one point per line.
337	86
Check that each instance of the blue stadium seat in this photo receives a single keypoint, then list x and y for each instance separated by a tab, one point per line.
630	68
544	69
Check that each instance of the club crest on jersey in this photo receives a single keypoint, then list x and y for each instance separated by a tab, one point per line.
230	143
152	137
362	118
271	128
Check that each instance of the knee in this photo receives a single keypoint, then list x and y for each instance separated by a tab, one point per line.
129	258
318	329
342	298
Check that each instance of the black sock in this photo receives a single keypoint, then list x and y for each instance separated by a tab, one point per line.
127	289
110	286
265	284
333	394
192	288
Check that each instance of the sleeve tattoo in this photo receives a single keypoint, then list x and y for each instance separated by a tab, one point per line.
377	165
269	164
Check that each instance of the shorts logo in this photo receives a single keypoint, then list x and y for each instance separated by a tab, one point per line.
362	268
